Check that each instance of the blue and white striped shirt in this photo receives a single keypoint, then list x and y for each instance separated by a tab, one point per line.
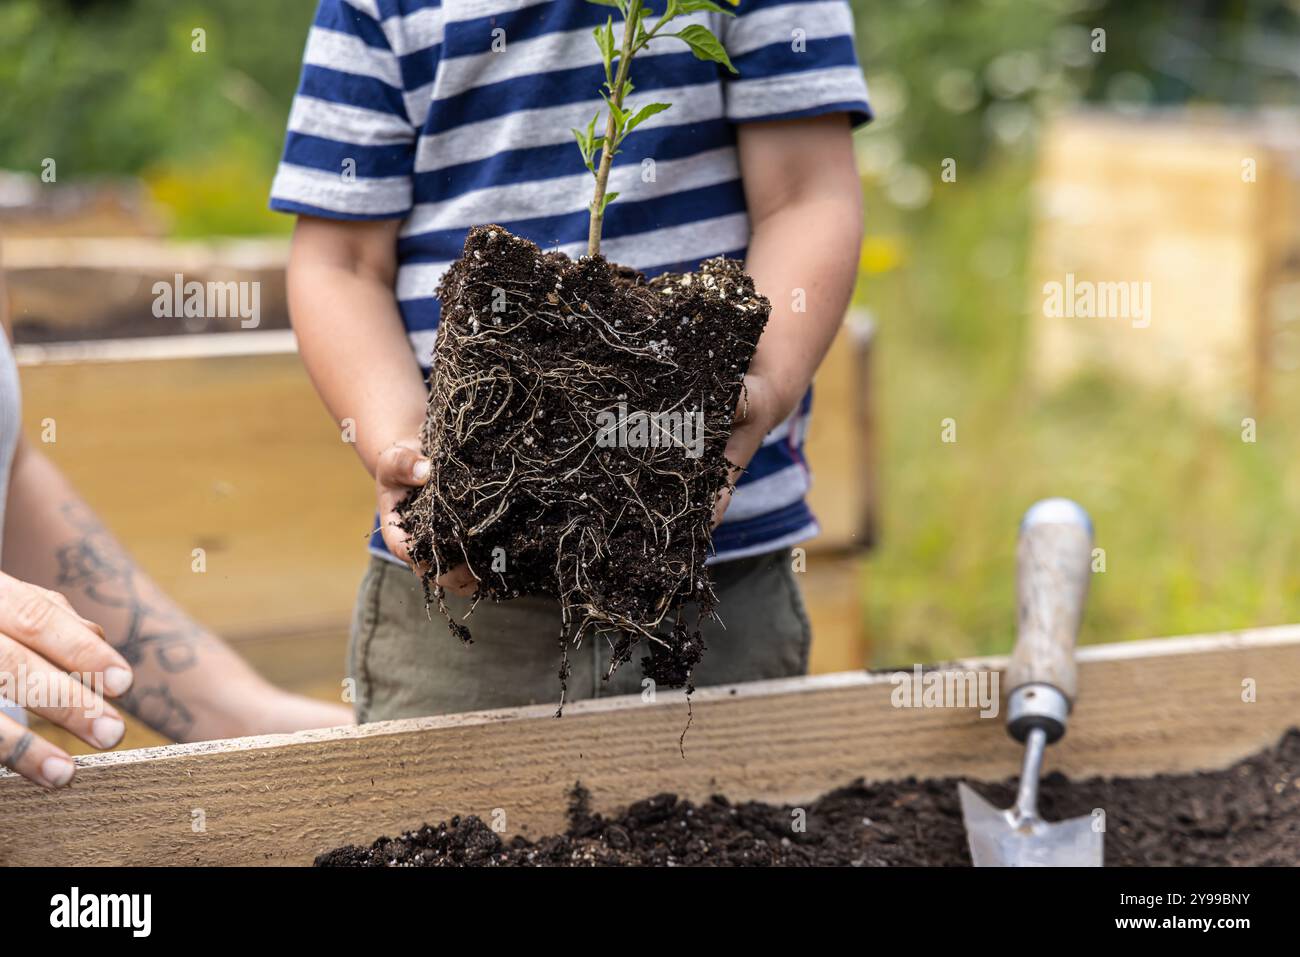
454	113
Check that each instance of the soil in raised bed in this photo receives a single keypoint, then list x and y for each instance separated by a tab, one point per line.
577	422
1248	814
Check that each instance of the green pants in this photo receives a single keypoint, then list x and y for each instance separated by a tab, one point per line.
406	663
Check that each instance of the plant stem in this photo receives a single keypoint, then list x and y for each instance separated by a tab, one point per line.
608	146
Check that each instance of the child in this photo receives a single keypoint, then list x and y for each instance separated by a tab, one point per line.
416	120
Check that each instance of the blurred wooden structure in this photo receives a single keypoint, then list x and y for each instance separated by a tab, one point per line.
233	454
841	453
1204	207
106	206
1169	705
67	288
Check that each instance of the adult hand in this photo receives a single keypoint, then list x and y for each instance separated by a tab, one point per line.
55	664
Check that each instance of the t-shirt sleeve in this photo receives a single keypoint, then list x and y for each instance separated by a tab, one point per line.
795	58
350	147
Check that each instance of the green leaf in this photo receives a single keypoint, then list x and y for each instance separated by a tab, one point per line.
645	113
605	41
589	143
616	4
694	6
705	45
620	116
609	198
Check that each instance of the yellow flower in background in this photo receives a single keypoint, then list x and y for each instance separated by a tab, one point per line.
215	199
880	254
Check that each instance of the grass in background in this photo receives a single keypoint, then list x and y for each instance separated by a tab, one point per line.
1197	525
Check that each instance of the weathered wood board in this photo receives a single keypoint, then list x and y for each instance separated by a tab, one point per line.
1196	213
1170	705
65	287
231	454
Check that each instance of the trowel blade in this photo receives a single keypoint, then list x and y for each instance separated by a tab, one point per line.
996	840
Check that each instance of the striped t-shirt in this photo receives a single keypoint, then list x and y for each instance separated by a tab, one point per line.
454	113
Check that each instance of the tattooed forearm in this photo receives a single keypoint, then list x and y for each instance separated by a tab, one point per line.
158	708
147	630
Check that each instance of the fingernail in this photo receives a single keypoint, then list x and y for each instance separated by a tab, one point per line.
117	680
107	731
421	471
56	770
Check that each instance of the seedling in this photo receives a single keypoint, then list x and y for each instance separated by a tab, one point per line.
553	471
620	118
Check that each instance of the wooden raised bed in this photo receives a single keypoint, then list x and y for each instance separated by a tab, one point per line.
1165	705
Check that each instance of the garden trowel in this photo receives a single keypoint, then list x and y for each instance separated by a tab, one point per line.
1053	560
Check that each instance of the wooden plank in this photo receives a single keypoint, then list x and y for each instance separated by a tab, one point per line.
1163	202
63	288
832	595
840	442
1171	705
120	207
233	455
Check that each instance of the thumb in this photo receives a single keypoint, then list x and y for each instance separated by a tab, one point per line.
399	465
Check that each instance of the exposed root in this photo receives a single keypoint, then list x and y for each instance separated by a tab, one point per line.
536	355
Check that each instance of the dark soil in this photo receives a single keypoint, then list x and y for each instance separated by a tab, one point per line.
537	354
1248	814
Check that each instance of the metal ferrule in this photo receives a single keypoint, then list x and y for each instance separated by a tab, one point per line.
1037	706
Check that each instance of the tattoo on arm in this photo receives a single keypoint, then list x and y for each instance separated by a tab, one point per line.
13	757
97	566
158	708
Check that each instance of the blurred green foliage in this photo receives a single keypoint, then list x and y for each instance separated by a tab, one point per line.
959	78
1197	525
116	87
1187	512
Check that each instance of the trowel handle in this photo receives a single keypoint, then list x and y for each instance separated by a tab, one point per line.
1053	566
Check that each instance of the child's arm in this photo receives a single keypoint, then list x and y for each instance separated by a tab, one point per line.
350	333
353	343
805	207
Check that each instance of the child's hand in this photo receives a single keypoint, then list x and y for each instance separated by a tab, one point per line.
759	410
400	468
